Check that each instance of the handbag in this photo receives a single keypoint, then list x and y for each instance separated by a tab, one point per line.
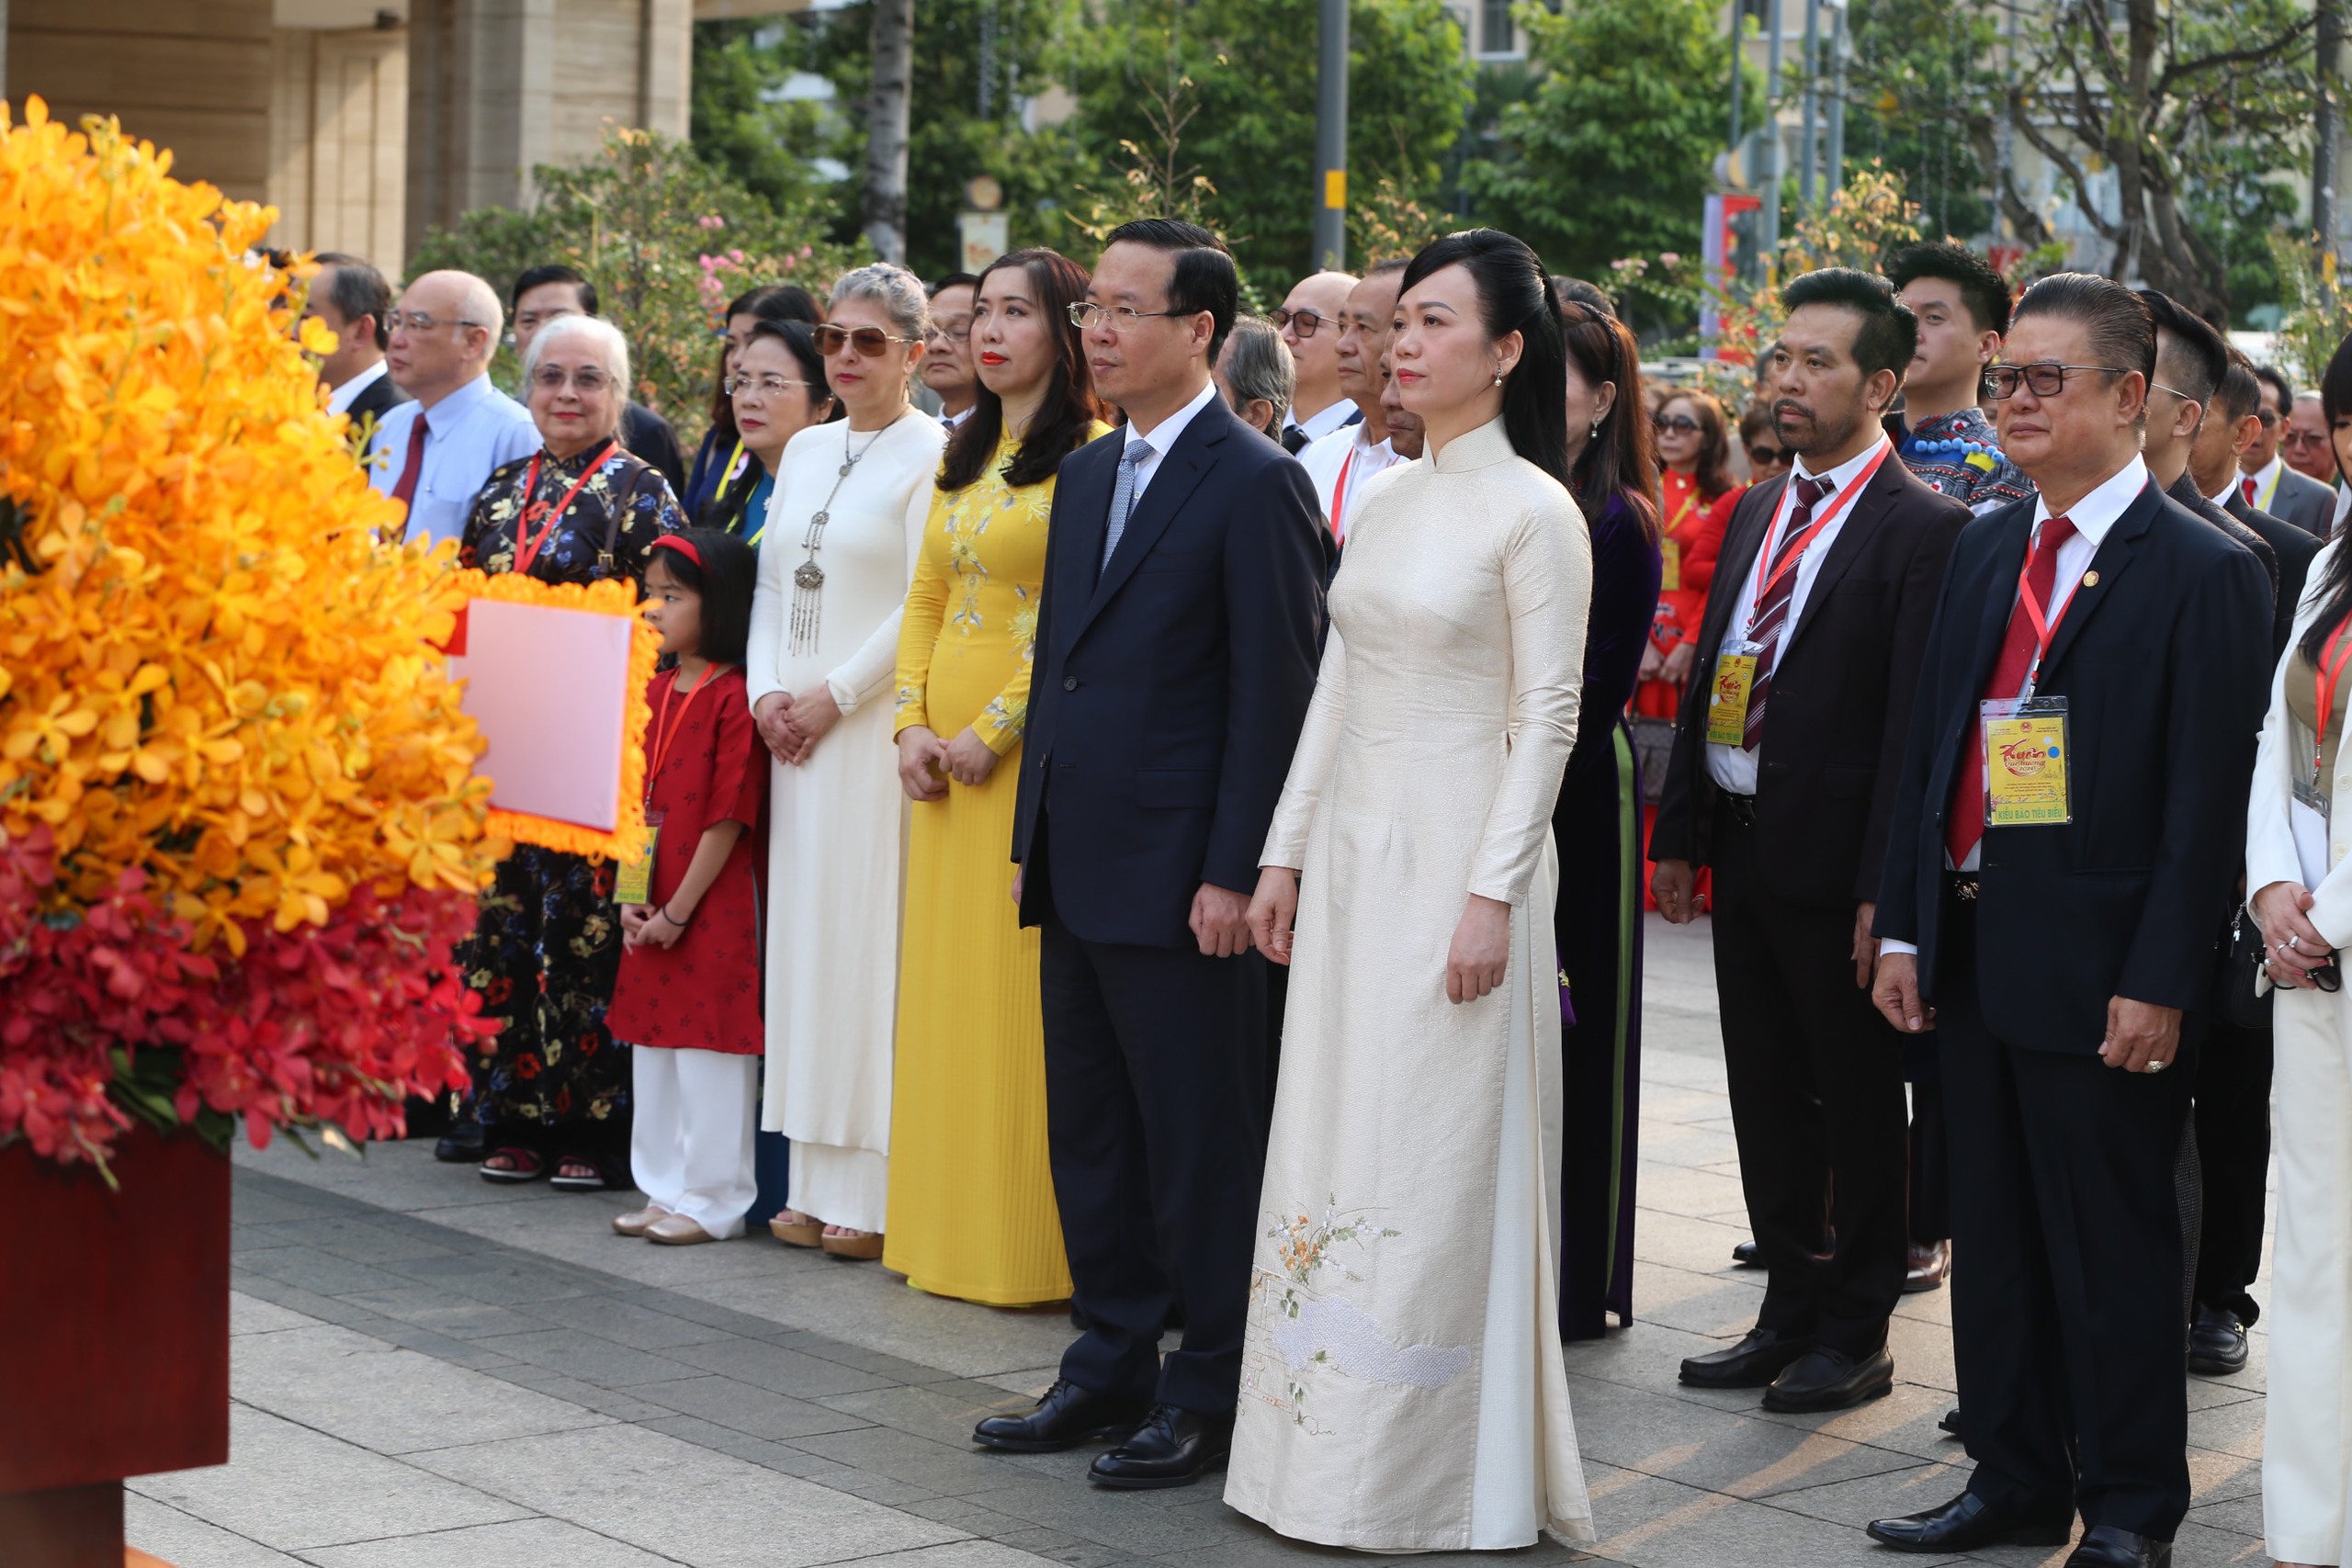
1653	744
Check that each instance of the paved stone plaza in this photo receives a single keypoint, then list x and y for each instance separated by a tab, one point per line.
434	1372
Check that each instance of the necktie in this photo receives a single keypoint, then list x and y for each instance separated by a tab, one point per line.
1294	439
404	492
1966	823
1123	496
2246	489
1772	610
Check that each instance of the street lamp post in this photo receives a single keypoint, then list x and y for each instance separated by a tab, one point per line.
1331	229
1810	150
1770	176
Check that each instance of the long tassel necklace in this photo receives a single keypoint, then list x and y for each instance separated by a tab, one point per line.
808	578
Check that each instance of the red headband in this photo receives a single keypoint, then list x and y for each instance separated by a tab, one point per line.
684	546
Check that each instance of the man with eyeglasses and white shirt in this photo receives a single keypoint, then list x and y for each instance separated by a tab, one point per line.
435	454
1309	322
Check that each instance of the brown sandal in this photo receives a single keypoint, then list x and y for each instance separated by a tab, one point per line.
802	1232
861	1246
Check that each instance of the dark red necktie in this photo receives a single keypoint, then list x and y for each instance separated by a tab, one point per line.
1966	823
2246	489
404	491
1772	610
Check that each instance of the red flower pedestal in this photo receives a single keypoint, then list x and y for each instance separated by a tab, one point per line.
114	1318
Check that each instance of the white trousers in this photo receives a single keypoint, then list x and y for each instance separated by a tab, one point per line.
690	1145
2307	1440
849	1188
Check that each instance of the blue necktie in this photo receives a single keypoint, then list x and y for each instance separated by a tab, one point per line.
1122	495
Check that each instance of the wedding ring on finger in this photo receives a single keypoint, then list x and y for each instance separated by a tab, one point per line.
2156	1066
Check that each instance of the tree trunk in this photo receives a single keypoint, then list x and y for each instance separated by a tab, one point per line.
2326	125
888	110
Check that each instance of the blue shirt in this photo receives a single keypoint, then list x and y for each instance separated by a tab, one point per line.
470	432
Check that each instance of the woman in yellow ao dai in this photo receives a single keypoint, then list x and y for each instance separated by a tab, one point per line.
972	1210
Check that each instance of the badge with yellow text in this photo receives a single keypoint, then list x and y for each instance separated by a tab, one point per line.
633	882
1671	578
2026	756
1727	699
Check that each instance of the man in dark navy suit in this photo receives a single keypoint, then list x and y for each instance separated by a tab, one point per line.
2057	876
1176	652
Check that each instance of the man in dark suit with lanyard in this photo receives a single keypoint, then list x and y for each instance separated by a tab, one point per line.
1782	779
1176	651
2062	853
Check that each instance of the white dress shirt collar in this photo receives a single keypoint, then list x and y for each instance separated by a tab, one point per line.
2266	480
1843	476
1164	434
2097	513
341	399
1323	421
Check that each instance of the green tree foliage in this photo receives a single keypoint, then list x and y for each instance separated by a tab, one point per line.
740	123
1611	150
1921	100
1251	66
667	239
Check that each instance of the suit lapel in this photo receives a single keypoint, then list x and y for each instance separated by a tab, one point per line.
2109	563
1083	512
1743	539
1860	525
1172	483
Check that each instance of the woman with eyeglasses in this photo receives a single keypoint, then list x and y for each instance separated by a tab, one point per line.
972	1210
2302	886
720	453
776	391
553	1095
1693	453
1613	471
843	533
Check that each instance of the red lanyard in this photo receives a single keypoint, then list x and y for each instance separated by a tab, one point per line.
1340	498
1790	558
2043	630
2331	660
665	728
526	549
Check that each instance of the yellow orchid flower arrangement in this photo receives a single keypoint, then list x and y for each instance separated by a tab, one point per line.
239	825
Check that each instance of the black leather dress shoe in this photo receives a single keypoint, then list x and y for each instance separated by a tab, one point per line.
1754	1362
1823	1379
1950	1423
1746	1255
2104	1546
2216	1342
1966	1523
1066	1418
1173	1448
462	1145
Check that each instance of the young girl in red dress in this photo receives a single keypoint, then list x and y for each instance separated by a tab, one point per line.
688	997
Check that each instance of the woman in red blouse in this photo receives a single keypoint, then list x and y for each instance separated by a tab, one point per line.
688	997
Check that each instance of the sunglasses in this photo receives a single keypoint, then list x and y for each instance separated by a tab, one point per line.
1304	322
2302	438
1681	421
868	341
1768	456
2044	378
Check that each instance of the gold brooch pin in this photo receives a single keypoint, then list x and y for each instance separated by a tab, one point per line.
2090	580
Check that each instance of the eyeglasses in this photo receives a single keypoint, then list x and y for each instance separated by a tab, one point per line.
766	385
531	321
1118	318
1768	456
1304	322
2174	392
955	329
2043	377
418	322
2265	416
868	341
1681	421
2303	438
588	378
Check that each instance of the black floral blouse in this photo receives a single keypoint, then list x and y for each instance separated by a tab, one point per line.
624	491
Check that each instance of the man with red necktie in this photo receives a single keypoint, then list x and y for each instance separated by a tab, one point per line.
2063	854
1819	612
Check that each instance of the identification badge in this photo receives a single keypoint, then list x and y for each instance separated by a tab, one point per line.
2025	764
634	882
2307	792
1671	579
1728	700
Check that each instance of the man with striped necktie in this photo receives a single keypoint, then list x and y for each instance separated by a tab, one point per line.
1783	780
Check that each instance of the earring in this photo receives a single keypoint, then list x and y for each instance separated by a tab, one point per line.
1498	378
1595	434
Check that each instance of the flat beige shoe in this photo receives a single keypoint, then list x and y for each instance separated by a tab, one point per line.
676	1230
637	1221
803	1232
864	1247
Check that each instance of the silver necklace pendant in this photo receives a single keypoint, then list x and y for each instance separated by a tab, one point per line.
821	519
809	575
846	468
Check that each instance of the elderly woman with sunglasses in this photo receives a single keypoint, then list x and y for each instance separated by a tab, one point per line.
851	500
1693	448
547	946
